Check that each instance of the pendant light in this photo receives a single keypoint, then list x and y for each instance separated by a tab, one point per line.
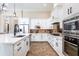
22	14
3	8
14	13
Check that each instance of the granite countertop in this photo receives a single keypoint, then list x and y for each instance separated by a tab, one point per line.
10	39
57	34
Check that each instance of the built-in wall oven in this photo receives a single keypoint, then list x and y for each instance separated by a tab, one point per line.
71	46
71	36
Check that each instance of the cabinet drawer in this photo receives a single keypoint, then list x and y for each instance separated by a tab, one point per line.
18	51
18	48
18	44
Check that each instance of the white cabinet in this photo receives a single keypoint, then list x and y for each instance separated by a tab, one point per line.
43	37
43	23
6	49
23	21
51	40
2	24
34	37
20	48
67	6
56	43
27	43
39	37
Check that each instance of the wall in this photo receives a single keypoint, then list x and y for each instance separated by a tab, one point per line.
43	23
30	14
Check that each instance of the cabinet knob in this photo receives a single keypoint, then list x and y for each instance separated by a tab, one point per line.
18	44
26	43
24	39
19	49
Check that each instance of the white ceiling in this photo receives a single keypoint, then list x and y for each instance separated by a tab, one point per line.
41	10
31	6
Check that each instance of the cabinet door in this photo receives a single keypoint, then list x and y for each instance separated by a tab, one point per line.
74	9
42	37
27	43
24	47
52	40
32	37
2	24
18	49
60	44
48	37
55	42
38	37
45	37
35	37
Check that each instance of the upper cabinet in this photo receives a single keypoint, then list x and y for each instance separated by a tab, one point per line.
63	11
43	23
70	9
2	24
23	21
57	15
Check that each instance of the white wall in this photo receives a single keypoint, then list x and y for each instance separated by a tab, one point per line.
43	23
23	20
29	14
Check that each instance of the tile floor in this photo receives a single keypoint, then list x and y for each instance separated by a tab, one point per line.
41	49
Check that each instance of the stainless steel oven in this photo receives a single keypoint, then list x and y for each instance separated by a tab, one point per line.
71	46
72	24
71	36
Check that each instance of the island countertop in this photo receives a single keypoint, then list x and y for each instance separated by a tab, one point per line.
10	39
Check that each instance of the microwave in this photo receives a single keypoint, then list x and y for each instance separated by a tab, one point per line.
71	24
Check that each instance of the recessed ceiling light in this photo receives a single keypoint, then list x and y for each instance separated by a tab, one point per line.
55	4
44	4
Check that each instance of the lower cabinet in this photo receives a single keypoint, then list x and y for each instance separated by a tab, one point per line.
39	37
56	43
20	48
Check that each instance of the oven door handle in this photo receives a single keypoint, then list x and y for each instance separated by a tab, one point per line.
71	43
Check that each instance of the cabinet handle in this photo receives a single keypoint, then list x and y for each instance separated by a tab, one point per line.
18	44
19	49
33	36
24	39
56	44
26	43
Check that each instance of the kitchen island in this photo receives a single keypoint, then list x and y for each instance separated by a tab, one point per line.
14	46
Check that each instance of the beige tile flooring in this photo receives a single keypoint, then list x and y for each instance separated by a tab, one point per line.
41	49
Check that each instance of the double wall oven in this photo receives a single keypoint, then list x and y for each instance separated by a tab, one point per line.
71	36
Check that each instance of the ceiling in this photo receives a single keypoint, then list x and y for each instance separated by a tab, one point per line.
31	6
41	10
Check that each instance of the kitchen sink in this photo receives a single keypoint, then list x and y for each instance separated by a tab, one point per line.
20	36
